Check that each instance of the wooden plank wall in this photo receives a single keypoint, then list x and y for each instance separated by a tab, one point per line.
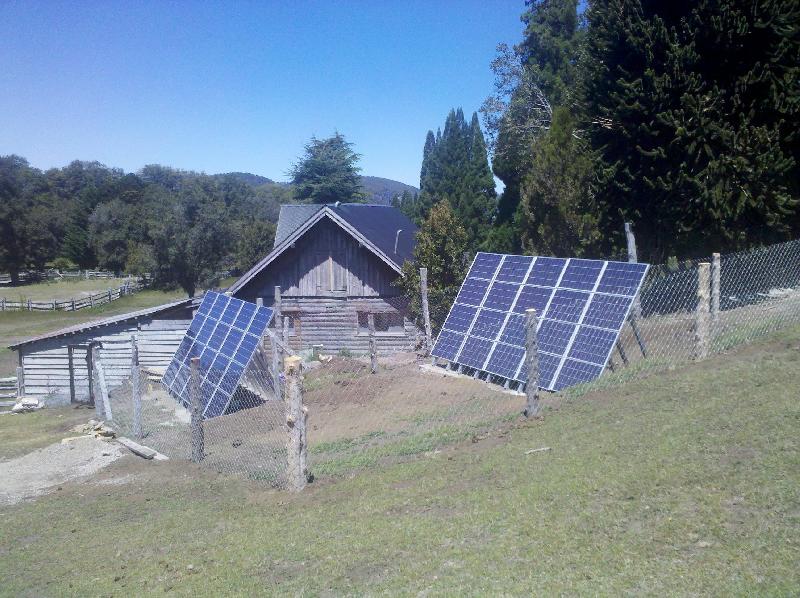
325	262
46	363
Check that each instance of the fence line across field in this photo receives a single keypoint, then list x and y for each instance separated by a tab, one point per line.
302	413
89	301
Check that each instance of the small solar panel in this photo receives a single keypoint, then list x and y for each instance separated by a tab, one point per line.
582	306
224	334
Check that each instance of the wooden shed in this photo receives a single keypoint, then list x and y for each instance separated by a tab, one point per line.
335	265
54	365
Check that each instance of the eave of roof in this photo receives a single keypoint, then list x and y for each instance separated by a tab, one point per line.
102	322
326	211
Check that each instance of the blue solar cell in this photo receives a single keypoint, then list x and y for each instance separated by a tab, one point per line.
472	291
505	360
574	372
514	268
485	265
622	278
475	352
546	271
532	297
501	296
447	345
553	337
460	318
514	331
567	306
593	344
581	274
548	364
488	324
582	305
607	311
224	334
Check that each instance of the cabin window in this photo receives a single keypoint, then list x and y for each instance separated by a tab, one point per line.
385	322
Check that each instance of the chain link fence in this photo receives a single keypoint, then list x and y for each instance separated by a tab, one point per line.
366	410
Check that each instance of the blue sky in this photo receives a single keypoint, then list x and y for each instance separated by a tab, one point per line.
217	87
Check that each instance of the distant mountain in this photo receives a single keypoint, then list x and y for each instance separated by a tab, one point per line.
382	191
377	189
247	178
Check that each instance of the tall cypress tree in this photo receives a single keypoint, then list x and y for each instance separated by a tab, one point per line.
455	167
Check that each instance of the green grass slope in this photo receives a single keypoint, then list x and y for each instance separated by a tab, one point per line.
686	482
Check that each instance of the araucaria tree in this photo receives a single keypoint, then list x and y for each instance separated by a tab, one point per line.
455	166
327	172
694	111
441	248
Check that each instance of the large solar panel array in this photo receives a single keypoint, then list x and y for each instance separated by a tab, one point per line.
224	334
581	304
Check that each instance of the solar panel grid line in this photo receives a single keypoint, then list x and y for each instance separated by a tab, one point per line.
544	315
509	312
578	325
628	310
483	300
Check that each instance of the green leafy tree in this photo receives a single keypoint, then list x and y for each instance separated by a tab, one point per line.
255	240
558	214
441	248
328	171
695	109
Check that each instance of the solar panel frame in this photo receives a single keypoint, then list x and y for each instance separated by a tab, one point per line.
224	333
568	301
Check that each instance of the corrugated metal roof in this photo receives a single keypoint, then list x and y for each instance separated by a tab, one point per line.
104	322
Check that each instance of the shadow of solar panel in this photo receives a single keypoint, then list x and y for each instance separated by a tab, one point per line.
582	304
224	334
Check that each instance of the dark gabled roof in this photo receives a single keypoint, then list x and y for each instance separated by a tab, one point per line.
380	229
105	322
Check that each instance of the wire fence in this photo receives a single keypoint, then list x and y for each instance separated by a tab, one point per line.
373	409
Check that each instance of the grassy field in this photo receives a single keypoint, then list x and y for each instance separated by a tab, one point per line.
60	290
18	325
684	482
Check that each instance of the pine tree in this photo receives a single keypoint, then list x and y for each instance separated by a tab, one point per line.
696	108
328	171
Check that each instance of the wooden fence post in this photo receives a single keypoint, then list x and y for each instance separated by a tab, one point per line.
71	365
426	314
633	258
20	381
286	330
296	417
91	300
73	305
373	351
701	323
3	304
196	405
90	373
716	270
532	357
104	403
136	390
29	305
276	308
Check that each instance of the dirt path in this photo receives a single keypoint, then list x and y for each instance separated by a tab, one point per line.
44	469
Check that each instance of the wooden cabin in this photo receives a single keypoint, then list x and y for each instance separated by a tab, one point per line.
335	264
54	366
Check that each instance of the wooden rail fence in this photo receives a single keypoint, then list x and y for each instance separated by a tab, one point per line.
93	300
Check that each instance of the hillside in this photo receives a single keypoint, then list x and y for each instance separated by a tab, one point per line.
682	483
377	189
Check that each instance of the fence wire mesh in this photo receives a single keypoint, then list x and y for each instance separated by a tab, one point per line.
409	408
